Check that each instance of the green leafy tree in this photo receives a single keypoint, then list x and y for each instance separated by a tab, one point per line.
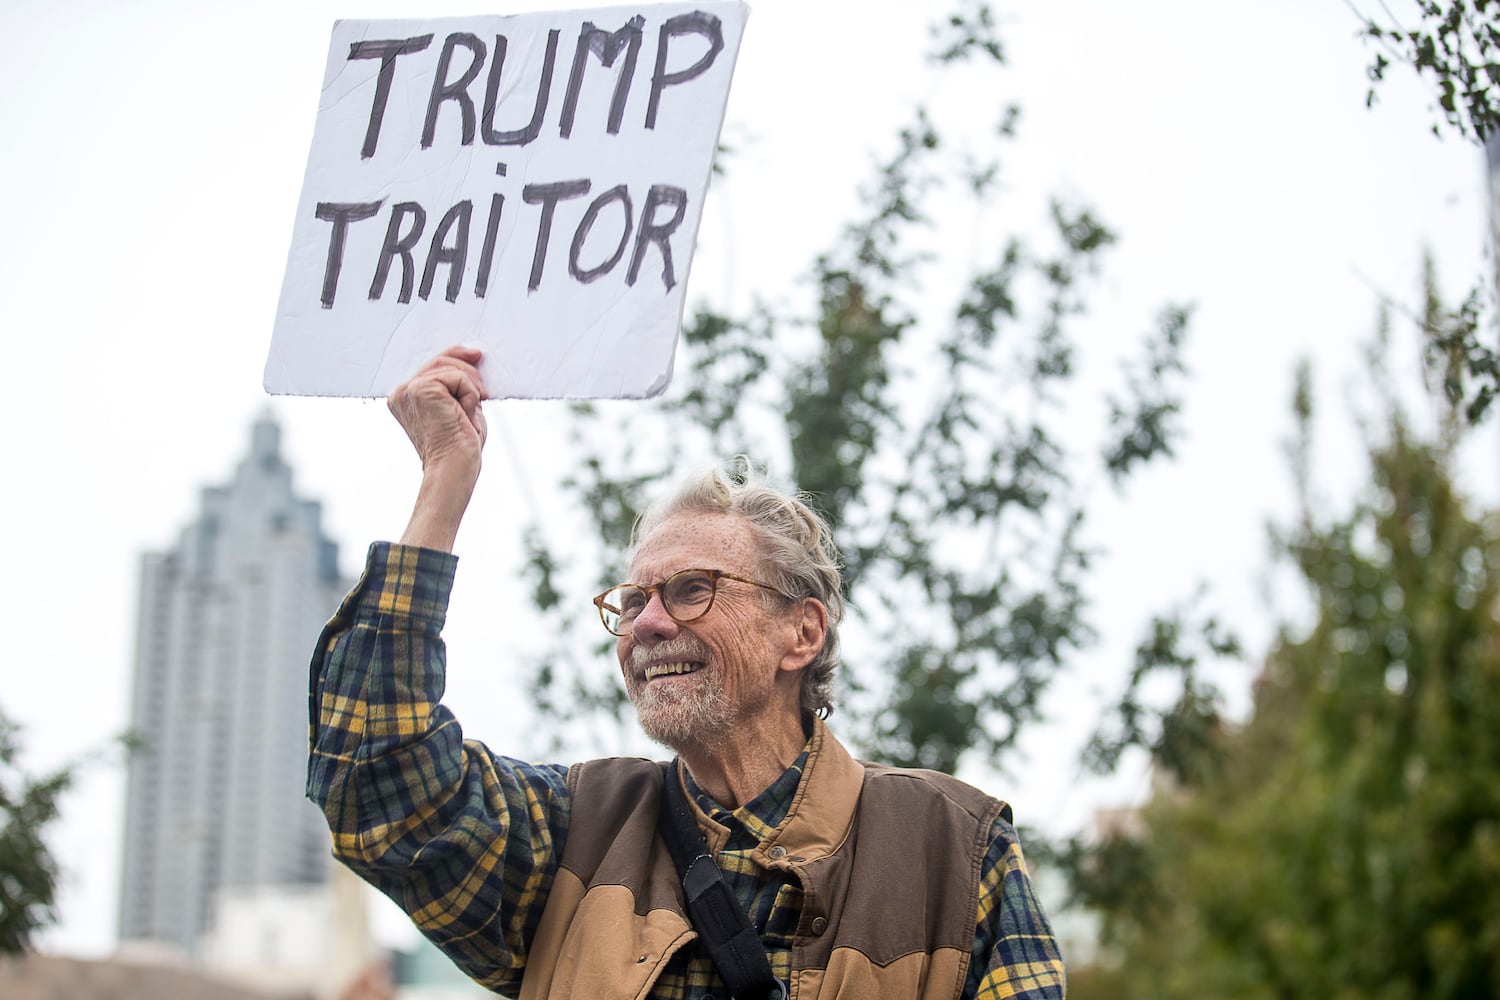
1454	46
28	871
954	452
1345	840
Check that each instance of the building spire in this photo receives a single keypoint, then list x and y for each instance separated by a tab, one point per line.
265	438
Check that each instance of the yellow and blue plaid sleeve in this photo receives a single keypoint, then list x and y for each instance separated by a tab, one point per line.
465	841
1015	954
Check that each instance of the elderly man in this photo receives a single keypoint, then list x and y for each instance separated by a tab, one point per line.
846	879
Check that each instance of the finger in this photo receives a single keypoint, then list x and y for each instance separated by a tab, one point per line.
443	364
464	386
469	353
467	357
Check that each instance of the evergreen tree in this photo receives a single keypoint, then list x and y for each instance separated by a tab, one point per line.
1345	841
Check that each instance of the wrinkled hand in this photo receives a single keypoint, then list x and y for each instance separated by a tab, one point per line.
439	408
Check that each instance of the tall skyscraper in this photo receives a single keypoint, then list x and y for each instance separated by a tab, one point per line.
226	626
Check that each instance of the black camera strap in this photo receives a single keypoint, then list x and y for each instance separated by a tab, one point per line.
721	922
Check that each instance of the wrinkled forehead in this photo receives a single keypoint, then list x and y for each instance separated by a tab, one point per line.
696	539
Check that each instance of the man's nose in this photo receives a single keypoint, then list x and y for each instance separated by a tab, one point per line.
653	624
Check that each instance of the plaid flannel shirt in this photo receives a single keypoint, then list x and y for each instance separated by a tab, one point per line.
468	842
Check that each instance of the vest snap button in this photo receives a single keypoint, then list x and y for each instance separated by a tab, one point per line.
819	925
777	853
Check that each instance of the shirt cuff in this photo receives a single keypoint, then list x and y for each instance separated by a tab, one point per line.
405	583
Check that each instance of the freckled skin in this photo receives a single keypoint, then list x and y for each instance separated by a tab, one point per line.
754	657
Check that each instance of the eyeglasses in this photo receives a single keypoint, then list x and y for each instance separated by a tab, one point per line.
686	595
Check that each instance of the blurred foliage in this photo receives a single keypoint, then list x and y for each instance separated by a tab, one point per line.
1454	46
28	806
952	447
28	871
1464	370
1345	840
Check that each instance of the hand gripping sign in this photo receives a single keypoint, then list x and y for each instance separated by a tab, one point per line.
530	183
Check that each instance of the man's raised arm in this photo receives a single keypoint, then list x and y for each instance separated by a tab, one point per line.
465	841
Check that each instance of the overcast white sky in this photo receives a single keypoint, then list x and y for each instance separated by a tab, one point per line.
151	160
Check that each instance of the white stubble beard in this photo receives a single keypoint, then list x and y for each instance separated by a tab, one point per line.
699	716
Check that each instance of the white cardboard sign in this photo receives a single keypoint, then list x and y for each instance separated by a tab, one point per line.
530	183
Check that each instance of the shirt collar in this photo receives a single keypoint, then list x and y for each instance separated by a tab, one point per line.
762	814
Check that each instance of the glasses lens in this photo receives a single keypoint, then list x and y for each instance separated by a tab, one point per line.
688	594
621	606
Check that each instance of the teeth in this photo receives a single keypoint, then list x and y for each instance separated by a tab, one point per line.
667	669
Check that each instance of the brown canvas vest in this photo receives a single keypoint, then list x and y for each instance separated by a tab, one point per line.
889	862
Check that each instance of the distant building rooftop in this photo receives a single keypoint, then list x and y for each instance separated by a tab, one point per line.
47	977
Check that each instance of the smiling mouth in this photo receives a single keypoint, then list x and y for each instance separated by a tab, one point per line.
656	670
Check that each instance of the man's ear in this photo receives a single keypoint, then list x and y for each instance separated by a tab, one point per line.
810	624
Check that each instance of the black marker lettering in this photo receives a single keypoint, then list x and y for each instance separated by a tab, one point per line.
458	90
386	52
650	231
439	252
607	47
487	251
340	214
697	23
547	195
395	244
520	136
617	193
